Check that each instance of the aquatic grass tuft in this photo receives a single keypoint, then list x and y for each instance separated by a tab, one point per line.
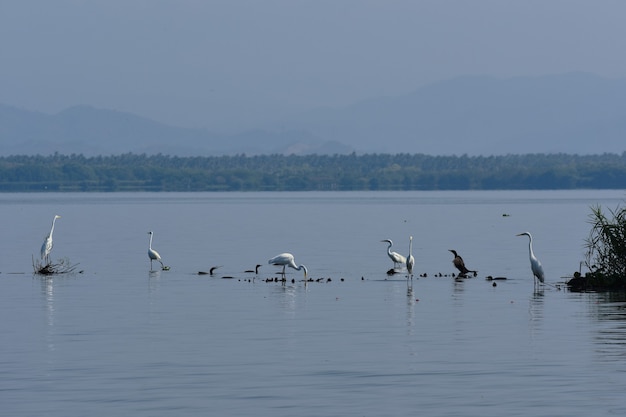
606	252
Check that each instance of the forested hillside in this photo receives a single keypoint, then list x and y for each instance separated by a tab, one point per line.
132	172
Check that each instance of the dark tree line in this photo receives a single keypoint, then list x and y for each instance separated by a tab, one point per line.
133	172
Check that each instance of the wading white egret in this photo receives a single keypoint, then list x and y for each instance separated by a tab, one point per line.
460	264
410	261
152	254
46	247
535	265
394	256
287	259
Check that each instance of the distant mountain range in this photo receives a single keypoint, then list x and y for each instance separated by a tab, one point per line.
90	131
570	113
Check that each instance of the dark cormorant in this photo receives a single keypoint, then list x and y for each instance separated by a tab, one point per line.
460	264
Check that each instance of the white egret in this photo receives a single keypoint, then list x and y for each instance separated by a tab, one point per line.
535	265
395	256
152	254
46	247
287	259
410	261
460	264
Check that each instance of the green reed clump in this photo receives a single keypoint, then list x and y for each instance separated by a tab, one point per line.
606	251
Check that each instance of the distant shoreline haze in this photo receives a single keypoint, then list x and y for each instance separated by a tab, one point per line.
352	172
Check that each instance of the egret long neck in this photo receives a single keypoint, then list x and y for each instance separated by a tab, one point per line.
530	247
52	228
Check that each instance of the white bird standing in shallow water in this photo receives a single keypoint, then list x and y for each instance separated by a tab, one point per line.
46	247
287	259
152	254
535	265
395	256
410	261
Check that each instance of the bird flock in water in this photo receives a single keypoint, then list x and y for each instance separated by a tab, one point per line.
286	259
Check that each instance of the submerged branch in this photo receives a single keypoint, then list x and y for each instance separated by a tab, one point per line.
62	266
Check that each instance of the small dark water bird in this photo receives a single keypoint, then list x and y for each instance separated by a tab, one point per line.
460	265
210	270
255	270
491	278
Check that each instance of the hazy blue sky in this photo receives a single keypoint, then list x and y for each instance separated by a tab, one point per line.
230	64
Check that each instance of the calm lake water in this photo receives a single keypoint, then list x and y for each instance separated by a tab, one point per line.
118	339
